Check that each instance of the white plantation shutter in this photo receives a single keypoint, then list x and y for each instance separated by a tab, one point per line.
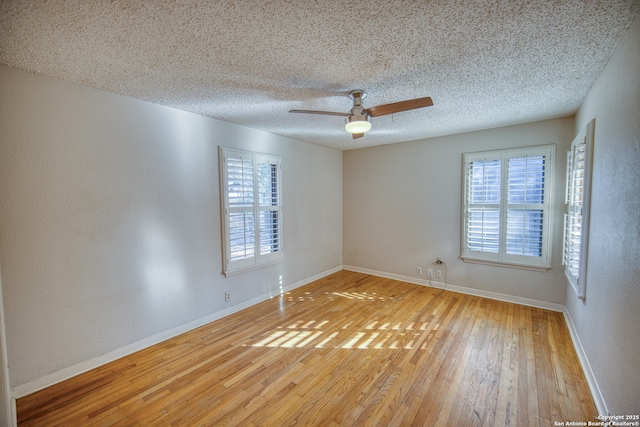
240	207
268	205
250	193
525	210
483	201
576	218
506	206
573	221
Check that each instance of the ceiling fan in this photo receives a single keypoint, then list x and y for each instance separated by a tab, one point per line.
358	118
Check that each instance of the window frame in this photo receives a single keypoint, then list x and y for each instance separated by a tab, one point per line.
501	257
578	209
253	207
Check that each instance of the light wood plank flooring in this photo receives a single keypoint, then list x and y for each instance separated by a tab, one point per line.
349	350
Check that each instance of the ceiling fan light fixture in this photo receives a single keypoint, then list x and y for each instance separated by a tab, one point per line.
357	124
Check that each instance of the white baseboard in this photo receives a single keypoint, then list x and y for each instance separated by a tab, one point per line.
601	405
461	289
79	368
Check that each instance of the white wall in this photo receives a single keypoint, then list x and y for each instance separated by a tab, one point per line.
402	208
110	220
608	322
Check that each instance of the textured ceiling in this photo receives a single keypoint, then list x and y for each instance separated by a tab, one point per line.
485	63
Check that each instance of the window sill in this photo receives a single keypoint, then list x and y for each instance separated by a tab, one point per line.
236	271
505	264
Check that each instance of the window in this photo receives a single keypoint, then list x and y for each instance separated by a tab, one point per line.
506	217
251	209
576	218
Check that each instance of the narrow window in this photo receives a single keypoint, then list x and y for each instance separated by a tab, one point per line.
506	206
251	209
576	218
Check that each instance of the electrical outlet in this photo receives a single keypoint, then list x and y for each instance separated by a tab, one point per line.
419	271
430	273
227	296
439	274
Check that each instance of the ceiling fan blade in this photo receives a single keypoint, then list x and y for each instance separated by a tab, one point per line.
357	135
326	113
397	107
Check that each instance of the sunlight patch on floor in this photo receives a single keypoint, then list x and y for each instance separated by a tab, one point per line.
318	334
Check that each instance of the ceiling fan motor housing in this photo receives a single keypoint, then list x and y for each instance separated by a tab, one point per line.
358	120
358	114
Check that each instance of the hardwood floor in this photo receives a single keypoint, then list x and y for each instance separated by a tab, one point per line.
351	350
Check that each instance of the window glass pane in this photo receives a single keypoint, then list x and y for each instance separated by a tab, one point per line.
483	230
574	234
269	232
241	235
573	220
524	232
484	182
268	184
240	182
526	180
577	176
